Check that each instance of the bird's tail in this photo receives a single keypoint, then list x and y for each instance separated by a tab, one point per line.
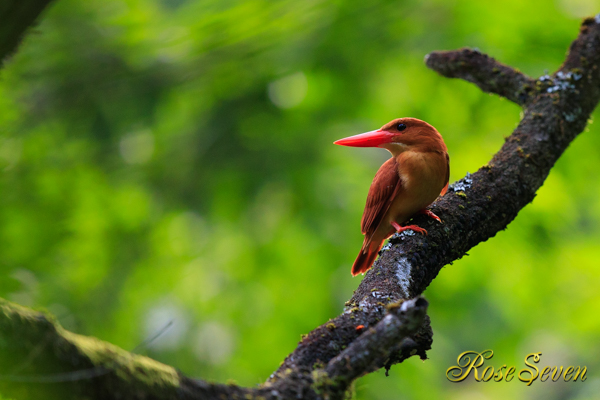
366	257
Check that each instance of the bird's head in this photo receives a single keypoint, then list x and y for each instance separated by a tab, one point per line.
398	135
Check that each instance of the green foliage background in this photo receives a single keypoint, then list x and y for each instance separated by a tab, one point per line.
171	161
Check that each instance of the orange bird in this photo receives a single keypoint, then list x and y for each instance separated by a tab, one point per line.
405	184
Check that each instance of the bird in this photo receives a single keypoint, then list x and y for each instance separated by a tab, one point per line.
405	185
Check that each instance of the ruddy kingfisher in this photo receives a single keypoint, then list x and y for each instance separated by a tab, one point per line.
405	185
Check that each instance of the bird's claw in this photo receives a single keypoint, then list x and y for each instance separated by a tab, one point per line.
414	228
431	214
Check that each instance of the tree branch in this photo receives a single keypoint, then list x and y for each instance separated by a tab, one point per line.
556	109
55	363
482	70
371	350
16	16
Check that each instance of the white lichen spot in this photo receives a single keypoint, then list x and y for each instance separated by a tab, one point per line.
387	246
399	236
562	81
388	319
462	185
408	232
378	295
597	18
403	271
366	306
404	306
363	303
545	78
570	117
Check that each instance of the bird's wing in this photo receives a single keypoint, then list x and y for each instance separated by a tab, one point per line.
383	190
445	189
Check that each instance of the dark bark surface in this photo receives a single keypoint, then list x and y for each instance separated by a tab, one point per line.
394	325
16	16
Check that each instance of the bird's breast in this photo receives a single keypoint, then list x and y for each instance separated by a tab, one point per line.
423	176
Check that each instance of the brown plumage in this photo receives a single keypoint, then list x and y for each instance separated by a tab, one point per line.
405	184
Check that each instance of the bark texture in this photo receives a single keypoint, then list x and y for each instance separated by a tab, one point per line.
384	322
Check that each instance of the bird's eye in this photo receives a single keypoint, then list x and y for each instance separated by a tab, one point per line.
401	127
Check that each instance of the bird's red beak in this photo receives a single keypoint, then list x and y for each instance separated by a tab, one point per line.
367	139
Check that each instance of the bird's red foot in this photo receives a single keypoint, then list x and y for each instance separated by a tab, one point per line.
411	227
430	214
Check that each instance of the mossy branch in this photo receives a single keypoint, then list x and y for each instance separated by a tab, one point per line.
40	359
52	361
